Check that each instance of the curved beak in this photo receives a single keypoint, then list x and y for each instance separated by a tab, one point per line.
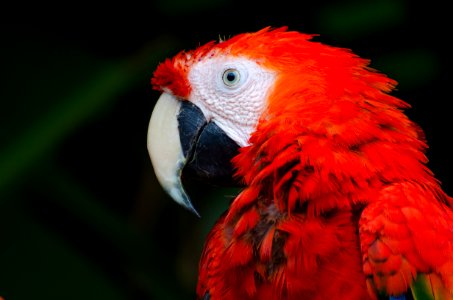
180	138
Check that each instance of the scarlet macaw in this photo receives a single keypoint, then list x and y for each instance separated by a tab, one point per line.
338	201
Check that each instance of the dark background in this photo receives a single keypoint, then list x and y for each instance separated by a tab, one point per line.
81	213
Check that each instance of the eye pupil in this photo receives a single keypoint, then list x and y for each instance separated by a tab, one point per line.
231	76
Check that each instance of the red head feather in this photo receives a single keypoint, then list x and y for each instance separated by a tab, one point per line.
287	52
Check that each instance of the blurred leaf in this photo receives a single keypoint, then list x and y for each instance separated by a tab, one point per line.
215	203
36	264
411	68
353	19
142	257
102	86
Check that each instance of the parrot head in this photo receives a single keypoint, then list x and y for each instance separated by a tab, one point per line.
219	99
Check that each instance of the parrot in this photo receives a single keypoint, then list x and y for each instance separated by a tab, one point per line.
335	198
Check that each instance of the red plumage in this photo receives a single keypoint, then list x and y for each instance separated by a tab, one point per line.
338	203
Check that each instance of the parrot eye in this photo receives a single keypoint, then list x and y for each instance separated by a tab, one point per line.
231	77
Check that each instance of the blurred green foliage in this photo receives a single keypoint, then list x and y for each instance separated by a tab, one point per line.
37	264
353	19
409	65
81	213
99	85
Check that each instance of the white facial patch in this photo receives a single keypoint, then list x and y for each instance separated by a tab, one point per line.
232	92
